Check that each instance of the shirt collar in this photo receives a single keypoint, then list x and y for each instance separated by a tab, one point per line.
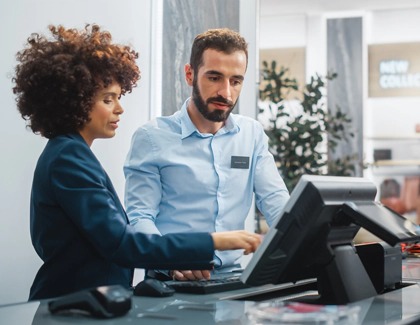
188	127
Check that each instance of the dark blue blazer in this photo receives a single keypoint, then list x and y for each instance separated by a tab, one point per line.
81	232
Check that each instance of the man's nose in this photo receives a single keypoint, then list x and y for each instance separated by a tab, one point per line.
224	90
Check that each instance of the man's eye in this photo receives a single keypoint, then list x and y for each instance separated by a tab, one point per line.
211	78
107	101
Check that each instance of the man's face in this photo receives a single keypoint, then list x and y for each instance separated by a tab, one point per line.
218	83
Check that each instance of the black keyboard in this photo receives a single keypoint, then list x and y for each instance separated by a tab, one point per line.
208	286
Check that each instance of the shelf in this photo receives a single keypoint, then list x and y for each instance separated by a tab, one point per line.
393	137
407	162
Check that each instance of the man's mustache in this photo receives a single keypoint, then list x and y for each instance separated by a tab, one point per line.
220	99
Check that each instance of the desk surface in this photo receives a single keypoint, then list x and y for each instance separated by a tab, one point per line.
397	307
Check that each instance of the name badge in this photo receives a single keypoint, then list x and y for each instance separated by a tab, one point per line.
239	162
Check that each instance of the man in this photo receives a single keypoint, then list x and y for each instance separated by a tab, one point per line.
198	169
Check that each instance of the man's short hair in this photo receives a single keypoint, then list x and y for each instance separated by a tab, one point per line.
222	39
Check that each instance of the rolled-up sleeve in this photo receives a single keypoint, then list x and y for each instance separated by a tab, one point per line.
143	189
271	193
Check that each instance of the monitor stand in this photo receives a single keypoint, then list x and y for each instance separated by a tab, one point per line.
345	278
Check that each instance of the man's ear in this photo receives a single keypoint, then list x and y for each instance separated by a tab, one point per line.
189	74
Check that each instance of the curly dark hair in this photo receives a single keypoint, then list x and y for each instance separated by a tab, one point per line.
221	39
56	79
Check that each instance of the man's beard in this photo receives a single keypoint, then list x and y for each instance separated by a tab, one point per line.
218	115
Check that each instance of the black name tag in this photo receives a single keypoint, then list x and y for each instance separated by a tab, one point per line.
239	162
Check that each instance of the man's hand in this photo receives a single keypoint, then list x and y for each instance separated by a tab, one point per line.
227	240
239	239
186	275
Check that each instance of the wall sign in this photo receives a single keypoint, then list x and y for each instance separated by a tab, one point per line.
292	59
394	70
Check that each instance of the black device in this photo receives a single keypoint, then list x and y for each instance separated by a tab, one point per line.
102	302
153	288
313	238
382	154
383	264
381	221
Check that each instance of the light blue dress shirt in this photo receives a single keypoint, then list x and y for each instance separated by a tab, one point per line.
181	180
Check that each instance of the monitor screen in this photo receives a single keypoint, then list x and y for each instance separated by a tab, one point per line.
313	236
382	221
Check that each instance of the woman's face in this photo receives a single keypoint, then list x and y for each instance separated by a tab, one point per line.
105	114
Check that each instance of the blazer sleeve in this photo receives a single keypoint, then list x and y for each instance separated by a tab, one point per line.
82	190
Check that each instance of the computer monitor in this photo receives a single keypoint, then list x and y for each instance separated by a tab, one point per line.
313	237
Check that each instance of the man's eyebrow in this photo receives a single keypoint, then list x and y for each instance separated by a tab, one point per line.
217	73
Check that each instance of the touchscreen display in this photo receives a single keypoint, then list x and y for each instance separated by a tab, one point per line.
383	222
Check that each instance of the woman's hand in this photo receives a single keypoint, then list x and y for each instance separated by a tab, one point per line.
239	239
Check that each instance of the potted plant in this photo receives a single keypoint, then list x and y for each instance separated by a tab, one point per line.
301	131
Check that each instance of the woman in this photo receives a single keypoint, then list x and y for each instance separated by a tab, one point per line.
68	89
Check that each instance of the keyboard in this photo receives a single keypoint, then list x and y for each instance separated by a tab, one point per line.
208	286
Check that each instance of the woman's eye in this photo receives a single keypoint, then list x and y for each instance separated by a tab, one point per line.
107	101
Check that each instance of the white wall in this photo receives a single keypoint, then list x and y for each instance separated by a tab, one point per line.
393	116
283	31
129	22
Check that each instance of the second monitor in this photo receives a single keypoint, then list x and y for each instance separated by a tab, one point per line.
313	237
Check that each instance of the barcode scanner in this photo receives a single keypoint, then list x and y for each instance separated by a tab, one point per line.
101	302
